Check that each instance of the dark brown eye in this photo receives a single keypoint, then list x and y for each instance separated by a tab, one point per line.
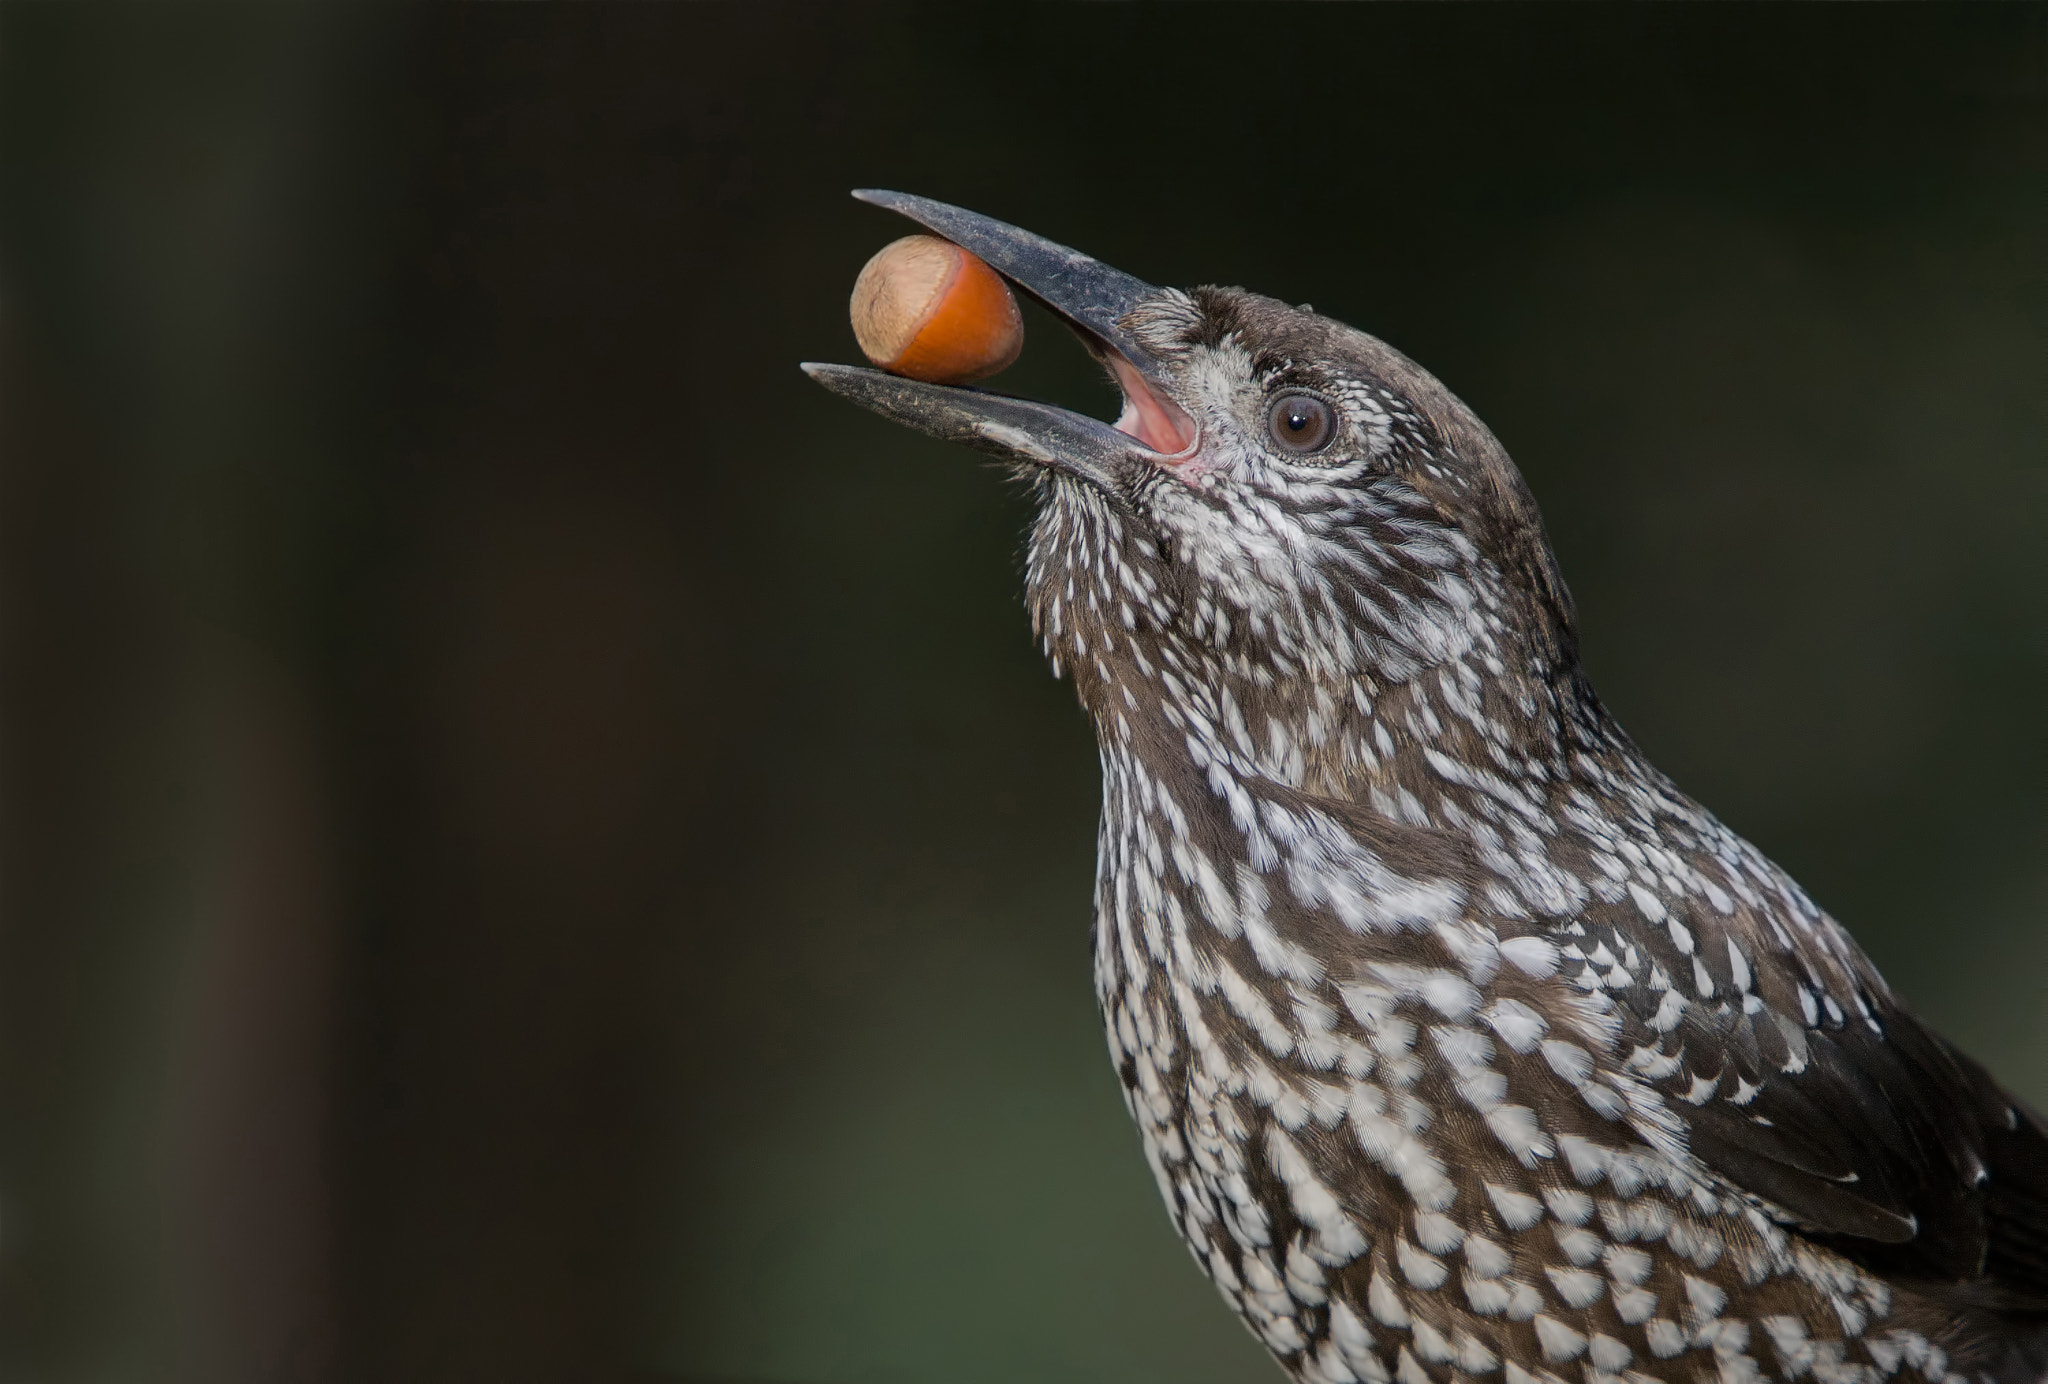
1301	423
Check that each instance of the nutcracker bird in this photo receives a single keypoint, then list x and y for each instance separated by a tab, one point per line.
1461	1043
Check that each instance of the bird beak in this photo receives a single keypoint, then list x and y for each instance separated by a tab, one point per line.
1093	299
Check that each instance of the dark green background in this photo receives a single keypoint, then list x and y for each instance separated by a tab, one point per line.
536	843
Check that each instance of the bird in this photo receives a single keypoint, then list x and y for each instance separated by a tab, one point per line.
1461	1043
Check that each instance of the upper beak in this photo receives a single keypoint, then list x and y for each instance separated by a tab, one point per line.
1095	300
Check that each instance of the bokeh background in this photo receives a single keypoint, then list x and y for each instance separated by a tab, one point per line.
534	843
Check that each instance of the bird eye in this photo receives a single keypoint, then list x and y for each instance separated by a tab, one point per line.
1301	423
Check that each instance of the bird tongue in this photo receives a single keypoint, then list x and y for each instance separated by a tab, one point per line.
1154	420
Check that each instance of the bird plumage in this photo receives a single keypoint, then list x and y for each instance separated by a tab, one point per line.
1461	1043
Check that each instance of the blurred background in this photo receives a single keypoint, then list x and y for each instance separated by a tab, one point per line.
535	844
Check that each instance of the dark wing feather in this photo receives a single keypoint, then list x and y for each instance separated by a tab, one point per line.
1862	1124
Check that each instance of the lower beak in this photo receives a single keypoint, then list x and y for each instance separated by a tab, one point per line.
1093	299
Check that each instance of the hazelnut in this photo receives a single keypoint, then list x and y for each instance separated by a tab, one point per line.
925	308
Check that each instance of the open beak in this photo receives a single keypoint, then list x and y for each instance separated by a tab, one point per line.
1092	298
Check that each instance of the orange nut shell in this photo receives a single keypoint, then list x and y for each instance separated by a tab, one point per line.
925	308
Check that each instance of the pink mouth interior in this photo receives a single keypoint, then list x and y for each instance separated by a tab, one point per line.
1157	422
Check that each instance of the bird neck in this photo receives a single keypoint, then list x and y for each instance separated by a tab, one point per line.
1407	747
1395	695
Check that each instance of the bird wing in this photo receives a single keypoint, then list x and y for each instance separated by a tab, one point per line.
1803	1081
1799	1078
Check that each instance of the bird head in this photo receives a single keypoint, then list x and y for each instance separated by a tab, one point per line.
1285	503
